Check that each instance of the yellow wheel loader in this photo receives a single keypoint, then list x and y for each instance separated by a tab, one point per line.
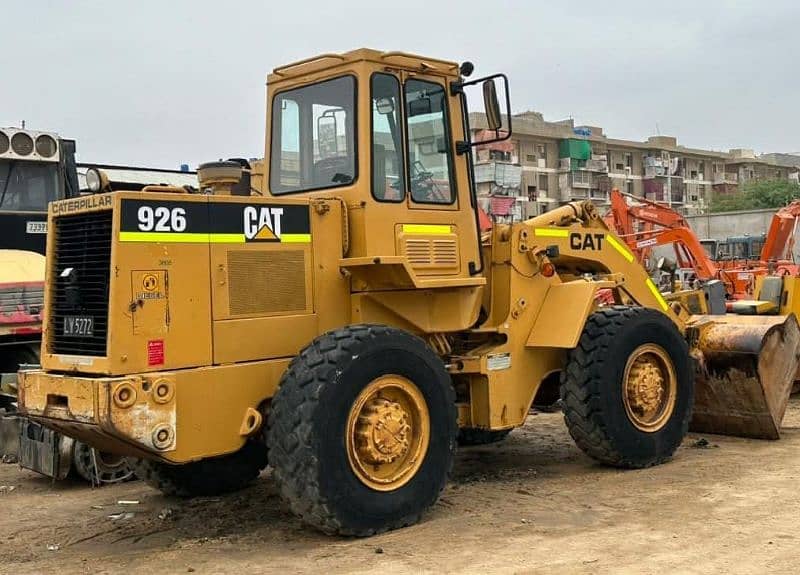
346	319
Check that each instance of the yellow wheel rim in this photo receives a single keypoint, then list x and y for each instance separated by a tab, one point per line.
649	388
387	434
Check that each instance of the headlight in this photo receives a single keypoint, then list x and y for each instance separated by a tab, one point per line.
93	180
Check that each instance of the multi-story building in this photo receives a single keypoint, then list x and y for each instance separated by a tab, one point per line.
546	164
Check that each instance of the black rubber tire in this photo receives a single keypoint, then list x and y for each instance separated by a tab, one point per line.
212	476
591	387
307	421
476	436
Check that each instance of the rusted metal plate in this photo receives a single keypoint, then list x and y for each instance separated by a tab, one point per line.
745	370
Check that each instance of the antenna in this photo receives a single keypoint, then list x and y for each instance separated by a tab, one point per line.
23	124
658	130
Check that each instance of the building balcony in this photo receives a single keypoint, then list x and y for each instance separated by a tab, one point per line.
502	174
726	178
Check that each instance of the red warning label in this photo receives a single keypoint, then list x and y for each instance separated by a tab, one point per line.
155	352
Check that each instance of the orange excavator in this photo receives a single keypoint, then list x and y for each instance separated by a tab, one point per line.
645	224
778	250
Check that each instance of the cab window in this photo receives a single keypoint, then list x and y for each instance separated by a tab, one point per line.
28	186
313	137
428	136
388	175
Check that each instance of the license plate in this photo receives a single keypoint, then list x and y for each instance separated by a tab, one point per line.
79	326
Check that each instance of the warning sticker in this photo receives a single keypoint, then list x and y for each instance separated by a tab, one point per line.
495	361
155	352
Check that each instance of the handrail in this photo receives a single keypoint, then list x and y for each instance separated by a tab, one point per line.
422	59
280	69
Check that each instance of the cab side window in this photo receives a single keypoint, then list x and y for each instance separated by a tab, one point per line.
388	177
428	136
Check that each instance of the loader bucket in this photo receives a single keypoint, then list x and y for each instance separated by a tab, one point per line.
746	366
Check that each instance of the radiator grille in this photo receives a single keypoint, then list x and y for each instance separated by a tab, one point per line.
265	282
82	242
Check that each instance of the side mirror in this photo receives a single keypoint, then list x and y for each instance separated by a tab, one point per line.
492	106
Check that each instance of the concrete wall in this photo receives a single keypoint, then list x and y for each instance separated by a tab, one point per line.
726	224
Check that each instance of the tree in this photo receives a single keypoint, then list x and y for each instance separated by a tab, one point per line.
757	195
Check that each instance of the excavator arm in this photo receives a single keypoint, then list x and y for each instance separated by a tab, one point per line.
779	243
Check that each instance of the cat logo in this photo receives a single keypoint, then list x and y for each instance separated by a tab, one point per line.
262	224
586	241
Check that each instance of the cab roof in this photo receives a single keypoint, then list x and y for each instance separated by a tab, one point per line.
399	59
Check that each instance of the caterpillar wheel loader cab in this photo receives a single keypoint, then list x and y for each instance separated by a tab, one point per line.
346	321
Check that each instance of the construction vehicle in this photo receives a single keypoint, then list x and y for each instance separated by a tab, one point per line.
778	250
348	319
646	225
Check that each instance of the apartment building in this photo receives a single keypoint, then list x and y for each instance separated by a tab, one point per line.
546	164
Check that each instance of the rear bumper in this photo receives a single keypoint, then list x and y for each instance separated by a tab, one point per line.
172	416
120	415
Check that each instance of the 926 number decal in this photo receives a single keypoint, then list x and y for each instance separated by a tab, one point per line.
161	219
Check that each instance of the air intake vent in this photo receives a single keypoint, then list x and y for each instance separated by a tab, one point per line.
431	256
445	253
266	282
82	246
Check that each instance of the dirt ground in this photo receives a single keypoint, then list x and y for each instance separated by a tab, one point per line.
532	504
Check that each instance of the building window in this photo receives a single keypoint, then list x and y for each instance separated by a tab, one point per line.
619	167
629	187
530	158
532	193
580	177
543	182
628	160
499	156
541	152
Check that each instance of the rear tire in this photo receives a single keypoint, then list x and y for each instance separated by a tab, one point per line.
476	436
212	476
318	456
618	416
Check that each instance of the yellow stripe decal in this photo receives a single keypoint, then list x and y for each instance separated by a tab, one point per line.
662	302
185	238
295	238
432	229
551	233
193	238
226	238
626	253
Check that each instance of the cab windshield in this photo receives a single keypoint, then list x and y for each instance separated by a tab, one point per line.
27	186
313	137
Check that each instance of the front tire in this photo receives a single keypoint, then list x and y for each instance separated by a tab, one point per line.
362	430
628	387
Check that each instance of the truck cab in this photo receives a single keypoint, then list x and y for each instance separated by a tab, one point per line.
35	169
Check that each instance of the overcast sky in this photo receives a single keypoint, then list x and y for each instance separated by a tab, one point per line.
160	83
